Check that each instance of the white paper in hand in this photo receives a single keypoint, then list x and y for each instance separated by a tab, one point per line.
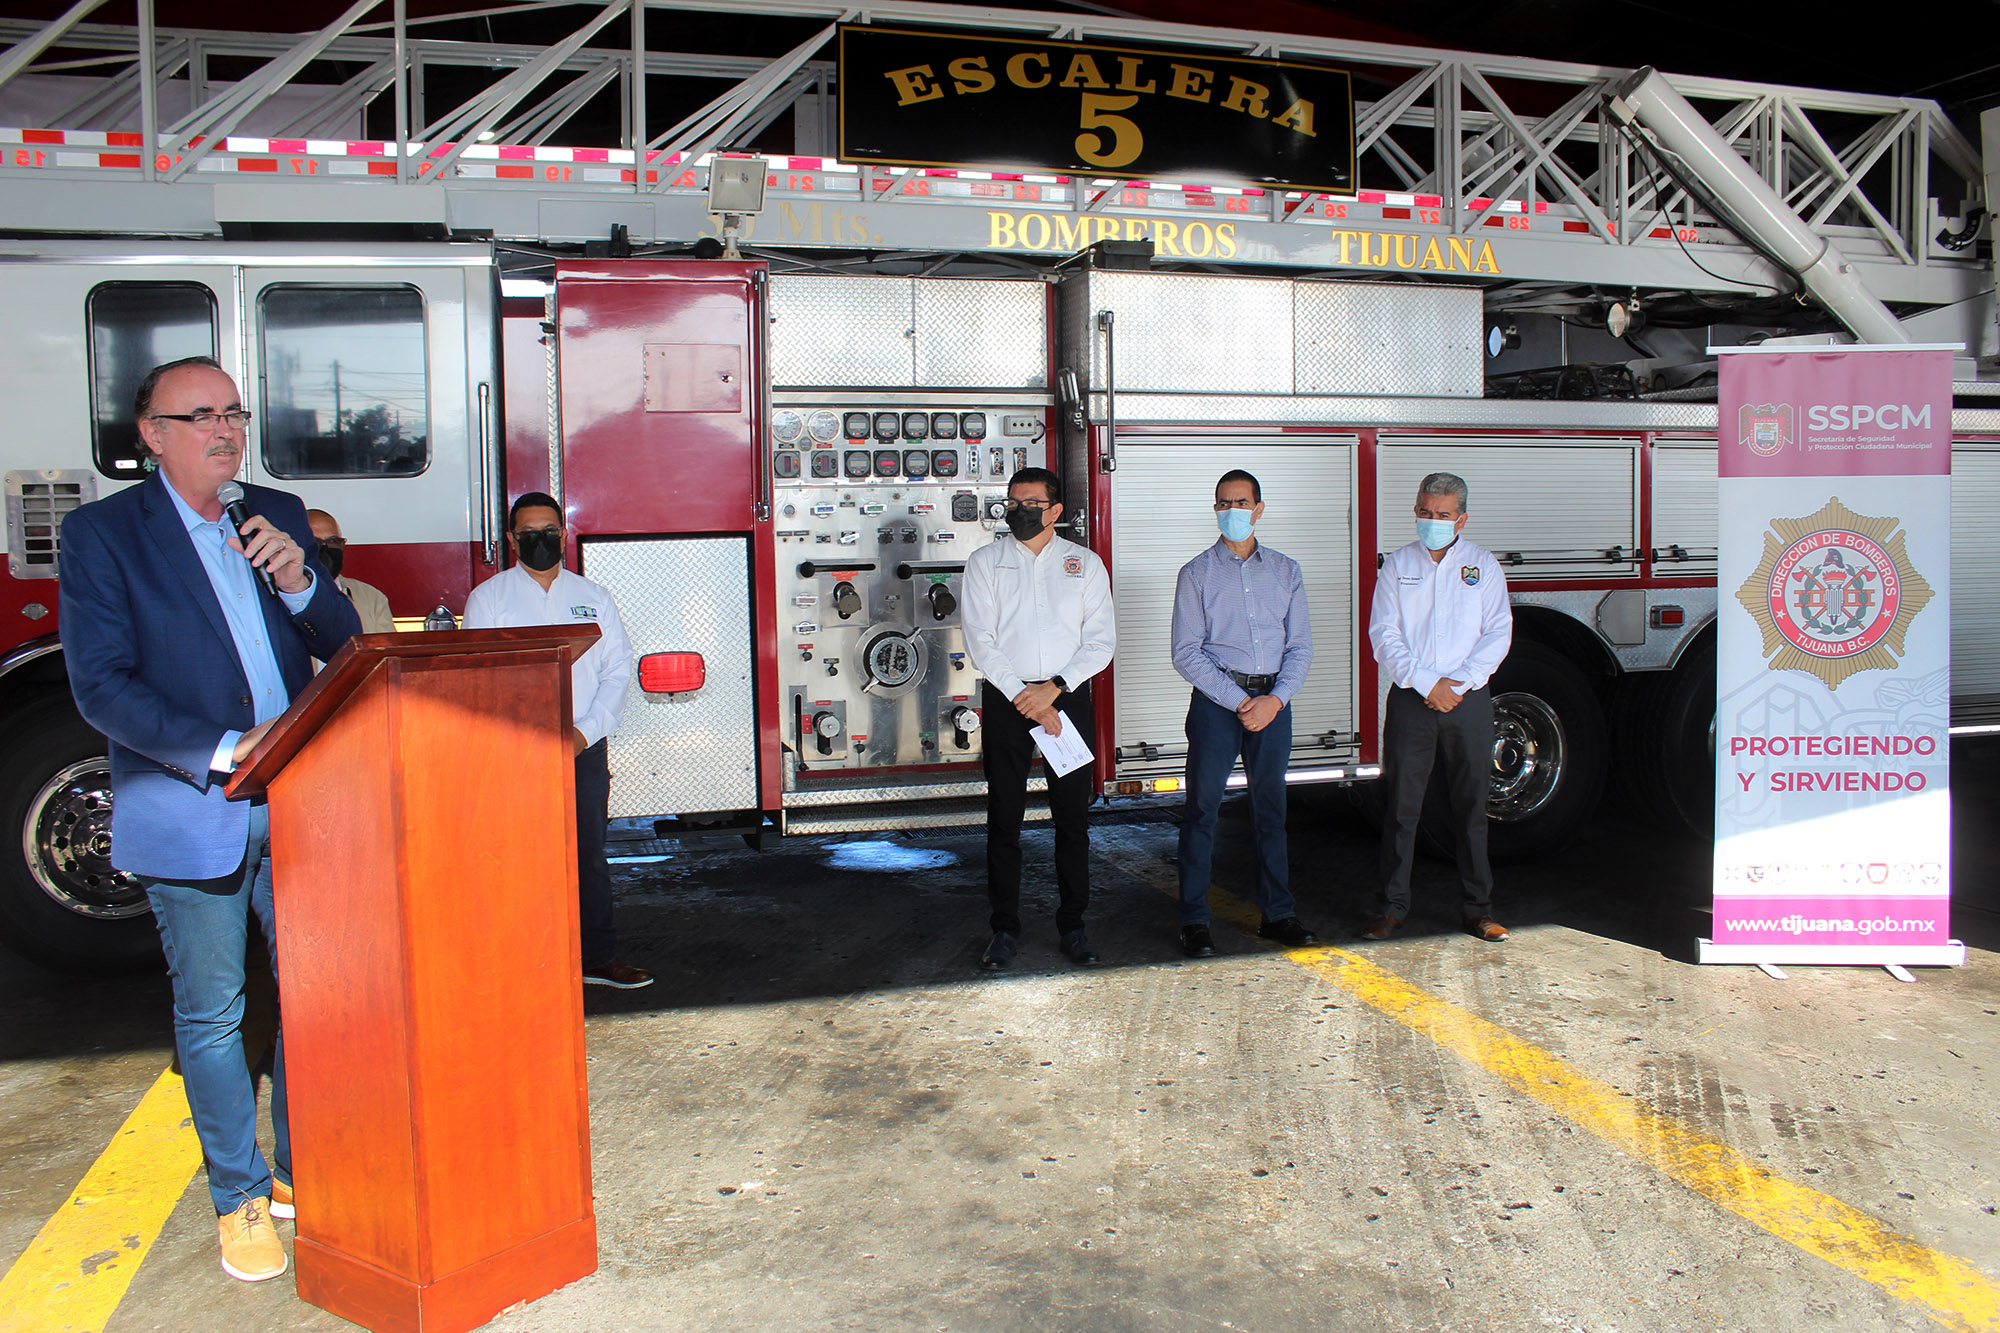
1065	753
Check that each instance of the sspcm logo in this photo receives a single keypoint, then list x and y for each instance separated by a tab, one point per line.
1835	593
1764	428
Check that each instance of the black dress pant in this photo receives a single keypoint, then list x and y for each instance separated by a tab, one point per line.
1414	736
593	872
1008	752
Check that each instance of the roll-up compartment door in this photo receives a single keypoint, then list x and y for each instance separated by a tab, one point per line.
1559	504
1684	513
1162	517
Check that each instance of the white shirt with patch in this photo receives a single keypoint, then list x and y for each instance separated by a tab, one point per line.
1029	616
1443	620
599	678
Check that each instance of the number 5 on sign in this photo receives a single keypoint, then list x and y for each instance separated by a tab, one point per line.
1126	142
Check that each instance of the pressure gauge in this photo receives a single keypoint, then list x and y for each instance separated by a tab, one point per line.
823	426
787	426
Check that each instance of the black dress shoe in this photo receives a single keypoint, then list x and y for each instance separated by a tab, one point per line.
1076	948
1290	932
1000	953
1196	942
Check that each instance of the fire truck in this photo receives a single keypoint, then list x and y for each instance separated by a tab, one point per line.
777	432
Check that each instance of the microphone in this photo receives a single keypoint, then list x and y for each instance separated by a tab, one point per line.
231	495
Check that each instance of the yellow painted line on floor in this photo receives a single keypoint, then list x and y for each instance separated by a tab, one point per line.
79	1265
1947	1288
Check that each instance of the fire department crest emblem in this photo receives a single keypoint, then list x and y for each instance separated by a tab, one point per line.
1073	566
1764	428
1835	593
1469	574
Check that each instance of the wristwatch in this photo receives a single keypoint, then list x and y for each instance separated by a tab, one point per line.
1059	683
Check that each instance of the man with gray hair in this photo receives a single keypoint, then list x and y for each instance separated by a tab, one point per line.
1441	625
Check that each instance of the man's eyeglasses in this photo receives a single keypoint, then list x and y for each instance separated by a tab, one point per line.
1221	505
207	420
1030	504
333	543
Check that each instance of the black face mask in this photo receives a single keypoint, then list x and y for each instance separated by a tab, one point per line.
540	549
1025	523
332	557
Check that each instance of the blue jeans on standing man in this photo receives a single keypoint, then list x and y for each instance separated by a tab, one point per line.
1215	737
205	931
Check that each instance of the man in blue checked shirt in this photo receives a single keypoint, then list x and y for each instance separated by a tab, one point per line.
1243	639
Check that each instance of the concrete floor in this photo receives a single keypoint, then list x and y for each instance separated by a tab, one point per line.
824	1117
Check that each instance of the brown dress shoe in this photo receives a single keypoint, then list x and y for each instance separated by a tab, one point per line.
1382	927
1486	928
624	976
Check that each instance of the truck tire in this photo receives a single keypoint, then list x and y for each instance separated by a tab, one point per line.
1685	727
1550	751
61	903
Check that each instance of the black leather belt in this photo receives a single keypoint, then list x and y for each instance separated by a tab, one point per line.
1253	682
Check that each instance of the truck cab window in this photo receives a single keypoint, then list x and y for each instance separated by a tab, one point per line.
345	392
135	326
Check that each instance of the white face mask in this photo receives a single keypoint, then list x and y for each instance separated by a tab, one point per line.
1437	533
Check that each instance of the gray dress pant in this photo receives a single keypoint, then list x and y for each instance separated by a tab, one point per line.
1414	736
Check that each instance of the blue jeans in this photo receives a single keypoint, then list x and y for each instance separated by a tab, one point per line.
1215	736
205	930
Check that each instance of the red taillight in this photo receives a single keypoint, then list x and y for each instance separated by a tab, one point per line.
672	673
1668	617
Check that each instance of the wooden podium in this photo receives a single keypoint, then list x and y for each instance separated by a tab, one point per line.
423	841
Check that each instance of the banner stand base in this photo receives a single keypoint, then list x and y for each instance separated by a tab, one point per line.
1891	956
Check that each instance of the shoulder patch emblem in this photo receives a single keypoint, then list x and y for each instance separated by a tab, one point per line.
1073	566
1469	573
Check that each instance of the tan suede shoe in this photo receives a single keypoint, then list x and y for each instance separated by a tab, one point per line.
251	1250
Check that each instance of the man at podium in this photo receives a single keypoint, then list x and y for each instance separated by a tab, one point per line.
187	630
539	591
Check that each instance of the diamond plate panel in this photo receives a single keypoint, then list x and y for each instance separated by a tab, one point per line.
1383	338
692	753
1190	409
1190	333
835	331
1975	571
981	334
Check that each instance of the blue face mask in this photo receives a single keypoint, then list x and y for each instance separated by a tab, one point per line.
1437	533
1235	523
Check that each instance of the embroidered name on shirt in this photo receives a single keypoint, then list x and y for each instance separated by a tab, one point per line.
1470	573
583	613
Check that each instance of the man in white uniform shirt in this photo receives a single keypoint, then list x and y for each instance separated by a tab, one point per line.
539	591
1038	625
1441	625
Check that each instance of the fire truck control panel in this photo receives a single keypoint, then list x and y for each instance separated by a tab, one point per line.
875	510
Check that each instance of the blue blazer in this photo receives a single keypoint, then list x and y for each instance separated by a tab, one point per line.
153	667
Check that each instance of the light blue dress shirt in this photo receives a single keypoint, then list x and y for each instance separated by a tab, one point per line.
235	585
1244	615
